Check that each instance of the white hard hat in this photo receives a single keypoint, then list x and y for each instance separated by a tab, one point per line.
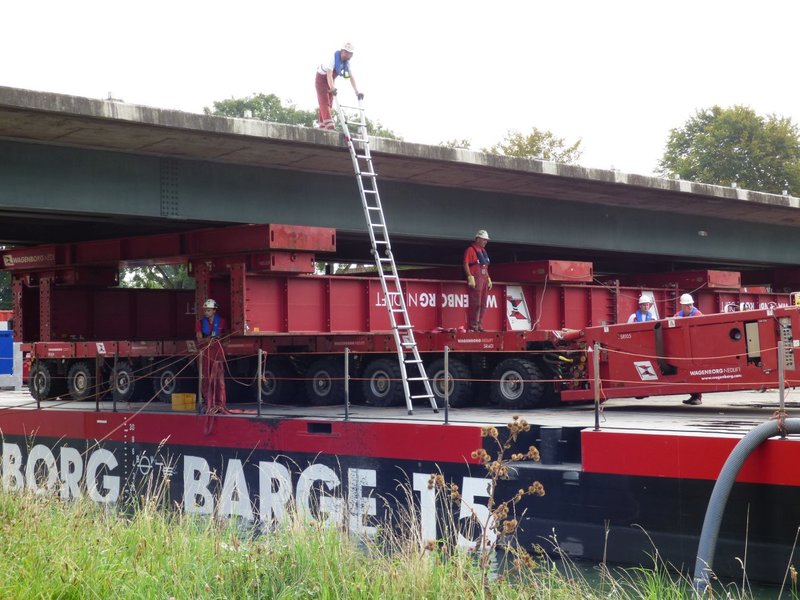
687	299
210	303
645	299
482	234
348	47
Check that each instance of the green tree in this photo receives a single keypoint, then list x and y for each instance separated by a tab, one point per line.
377	129
464	144
157	277
268	107
735	145
5	290
540	144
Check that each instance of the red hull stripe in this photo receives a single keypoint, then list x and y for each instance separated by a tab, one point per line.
689	456
398	440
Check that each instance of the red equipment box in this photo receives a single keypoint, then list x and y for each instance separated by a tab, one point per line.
684	280
252	238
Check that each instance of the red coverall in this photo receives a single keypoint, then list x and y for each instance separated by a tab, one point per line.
213	360
478	294
325	100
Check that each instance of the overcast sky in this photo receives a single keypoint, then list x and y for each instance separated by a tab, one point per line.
617	74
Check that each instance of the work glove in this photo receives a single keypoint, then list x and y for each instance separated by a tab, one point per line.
360	96
471	281
333	91
489	286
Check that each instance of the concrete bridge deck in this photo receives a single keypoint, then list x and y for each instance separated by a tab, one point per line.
78	168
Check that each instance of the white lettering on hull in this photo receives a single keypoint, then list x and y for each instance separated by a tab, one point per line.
320	493
43	474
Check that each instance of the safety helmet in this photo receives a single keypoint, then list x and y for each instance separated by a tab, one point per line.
210	303
687	299
482	234
348	47
645	299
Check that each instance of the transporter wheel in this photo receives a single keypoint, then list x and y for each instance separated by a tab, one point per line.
516	384
43	381
383	383
279	382
325	382
80	380
461	388
165	382
122	381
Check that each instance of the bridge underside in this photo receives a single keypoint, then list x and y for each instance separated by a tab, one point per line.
55	194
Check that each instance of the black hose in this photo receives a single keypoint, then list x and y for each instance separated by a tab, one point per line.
722	489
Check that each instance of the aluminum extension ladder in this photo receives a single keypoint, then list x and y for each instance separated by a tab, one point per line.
382	251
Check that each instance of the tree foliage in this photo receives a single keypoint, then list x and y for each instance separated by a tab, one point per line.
735	145
378	129
5	290
540	144
464	144
268	107
171	277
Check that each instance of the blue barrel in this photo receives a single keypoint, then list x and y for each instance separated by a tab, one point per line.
6	352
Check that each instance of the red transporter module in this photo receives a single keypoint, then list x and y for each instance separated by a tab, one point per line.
540	318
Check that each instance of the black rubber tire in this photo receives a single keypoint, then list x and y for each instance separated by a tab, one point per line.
279	384
462	389
324	382
80	380
515	384
43	381
382	383
122	381
166	382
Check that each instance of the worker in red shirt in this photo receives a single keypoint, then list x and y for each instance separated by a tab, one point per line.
209	329
476	268
688	310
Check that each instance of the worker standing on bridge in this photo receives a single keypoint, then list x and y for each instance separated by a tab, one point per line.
688	310
209	329
643	313
328	71
476	268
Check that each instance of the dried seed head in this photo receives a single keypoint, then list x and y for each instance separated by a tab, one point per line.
533	454
536	488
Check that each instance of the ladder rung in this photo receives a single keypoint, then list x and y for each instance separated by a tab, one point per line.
370	191
403	327
364	156
413	361
422	396
408	344
366	174
351	107
362	140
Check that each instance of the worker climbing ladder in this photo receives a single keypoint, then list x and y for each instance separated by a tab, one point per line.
407	351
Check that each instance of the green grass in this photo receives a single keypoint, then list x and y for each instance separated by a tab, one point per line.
55	550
